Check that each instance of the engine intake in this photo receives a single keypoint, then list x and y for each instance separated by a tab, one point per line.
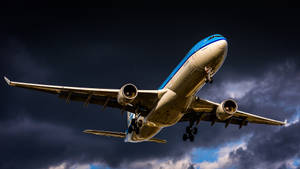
127	94
226	109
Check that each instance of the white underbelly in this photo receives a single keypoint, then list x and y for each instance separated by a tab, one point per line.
192	75
180	89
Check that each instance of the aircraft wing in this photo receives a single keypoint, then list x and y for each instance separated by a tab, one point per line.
201	109
106	97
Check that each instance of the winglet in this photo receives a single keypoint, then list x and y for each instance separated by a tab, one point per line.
7	80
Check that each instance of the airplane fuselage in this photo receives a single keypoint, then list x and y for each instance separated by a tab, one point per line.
148	111
206	57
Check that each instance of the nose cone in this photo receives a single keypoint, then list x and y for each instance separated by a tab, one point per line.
222	47
219	42
219	54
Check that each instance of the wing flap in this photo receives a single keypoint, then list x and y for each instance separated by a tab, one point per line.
252	118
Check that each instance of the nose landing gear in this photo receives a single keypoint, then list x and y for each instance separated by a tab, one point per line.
134	126
208	77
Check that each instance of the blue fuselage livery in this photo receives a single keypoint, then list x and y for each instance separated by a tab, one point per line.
201	44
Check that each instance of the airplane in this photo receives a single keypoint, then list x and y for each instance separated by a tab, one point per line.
149	111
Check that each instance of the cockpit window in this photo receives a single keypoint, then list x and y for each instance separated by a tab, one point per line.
214	37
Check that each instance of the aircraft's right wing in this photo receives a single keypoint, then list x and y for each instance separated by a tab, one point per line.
201	109
106	97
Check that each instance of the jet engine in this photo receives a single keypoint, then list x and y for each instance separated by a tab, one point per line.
127	94
226	109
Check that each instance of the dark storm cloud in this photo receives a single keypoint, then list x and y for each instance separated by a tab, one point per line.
109	47
20	61
270	150
277	98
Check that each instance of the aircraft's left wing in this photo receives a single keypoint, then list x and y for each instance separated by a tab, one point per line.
201	109
106	97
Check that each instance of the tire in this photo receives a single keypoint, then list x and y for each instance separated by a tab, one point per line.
133	123
188	129
191	137
137	130
195	130
130	129
140	123
184	137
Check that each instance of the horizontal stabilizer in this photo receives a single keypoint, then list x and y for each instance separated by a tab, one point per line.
118	134
106	133
156	140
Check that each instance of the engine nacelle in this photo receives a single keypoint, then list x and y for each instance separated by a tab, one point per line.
226	109
127	94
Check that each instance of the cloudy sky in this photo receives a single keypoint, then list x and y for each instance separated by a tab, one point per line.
107	48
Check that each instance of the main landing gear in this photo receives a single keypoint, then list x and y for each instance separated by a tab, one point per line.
134	126
208	77
190	133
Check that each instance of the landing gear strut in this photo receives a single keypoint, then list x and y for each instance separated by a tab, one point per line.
190	133
134	127
208	77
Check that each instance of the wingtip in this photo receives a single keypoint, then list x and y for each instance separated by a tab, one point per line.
7	80
86	131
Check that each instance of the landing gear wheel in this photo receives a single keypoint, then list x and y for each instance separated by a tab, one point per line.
184	137
130	129
133	121
209	80
195	130
209	73
137	130
190	132
188	129
191	137
139	123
